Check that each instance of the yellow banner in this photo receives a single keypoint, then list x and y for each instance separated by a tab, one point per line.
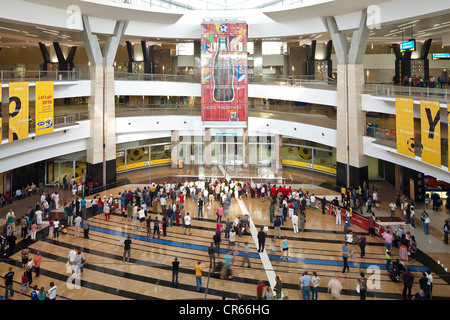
430	112
448	121
297	163
160	161
404	118
1	129
18	110
44	107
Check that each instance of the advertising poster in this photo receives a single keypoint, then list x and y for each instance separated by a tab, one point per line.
224	83
44	107
404	115
18	110
1	129
431	132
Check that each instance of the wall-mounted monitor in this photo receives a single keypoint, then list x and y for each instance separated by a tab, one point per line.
441	56
408	46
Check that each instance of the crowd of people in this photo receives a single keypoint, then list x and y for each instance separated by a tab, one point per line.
414	81
140	207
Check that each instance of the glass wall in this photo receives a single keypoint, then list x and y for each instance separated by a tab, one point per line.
57	168
227	150
261	150
191	149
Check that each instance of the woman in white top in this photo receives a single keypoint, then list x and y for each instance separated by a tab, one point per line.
315	285
56	200
232	237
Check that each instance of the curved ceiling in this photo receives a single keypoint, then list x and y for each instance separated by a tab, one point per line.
28	20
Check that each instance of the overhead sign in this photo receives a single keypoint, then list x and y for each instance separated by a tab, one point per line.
408	46
441	56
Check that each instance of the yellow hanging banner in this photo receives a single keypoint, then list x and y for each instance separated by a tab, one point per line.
1	120
44	107
430	112
404	118
18	110
448	121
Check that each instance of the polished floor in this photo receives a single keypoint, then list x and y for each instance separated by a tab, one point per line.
148	275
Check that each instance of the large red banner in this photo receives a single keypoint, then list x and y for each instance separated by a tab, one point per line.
224	72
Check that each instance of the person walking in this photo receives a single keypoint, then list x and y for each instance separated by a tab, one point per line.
77	224
80	260
345	253
408	281
37	264
295	223
198	275
52	291
127	248
277	288
302	221
24	228
246	256
362	285
200	208
305	283
315	283
217	240
212	255
56	224
187	223
277	227
175	269
33	231
9	281
261	239
335	288
284	248
259	290
25	283
156	228
86	227
362	245
446	230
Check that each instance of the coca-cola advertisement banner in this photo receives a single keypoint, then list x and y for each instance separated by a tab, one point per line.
224	72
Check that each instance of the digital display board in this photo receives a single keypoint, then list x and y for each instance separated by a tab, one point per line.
224	83
441	56
408	46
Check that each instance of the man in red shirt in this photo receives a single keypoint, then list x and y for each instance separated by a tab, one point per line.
284	191
273	192
259	290
289	191
182	200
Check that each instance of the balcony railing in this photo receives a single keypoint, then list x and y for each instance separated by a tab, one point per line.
60	121
313	115
40	75
388	138
296	81
417	93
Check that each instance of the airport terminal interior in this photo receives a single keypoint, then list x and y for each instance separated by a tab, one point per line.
197	128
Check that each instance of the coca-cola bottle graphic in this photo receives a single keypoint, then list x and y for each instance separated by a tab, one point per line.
223	72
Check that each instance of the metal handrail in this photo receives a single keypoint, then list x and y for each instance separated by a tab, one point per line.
39	75
391	90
